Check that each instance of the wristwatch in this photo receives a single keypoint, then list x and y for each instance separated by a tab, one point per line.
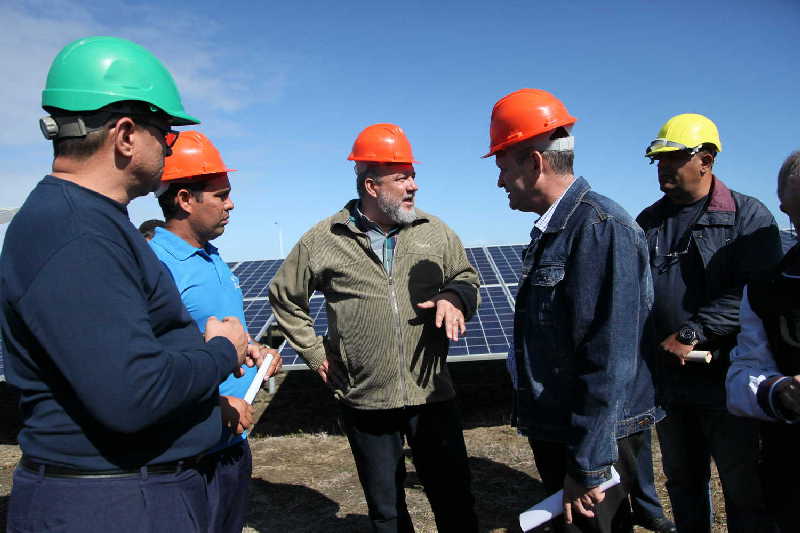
687	335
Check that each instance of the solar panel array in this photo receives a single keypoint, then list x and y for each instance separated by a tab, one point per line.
489	332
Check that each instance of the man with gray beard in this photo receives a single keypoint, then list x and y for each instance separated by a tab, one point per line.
397	286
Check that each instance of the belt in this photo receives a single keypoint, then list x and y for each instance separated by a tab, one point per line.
47	470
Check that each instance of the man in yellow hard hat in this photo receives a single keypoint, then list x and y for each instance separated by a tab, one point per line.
583	394
706	241
397	286
119	390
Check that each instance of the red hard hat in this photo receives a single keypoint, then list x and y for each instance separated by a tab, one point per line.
193	155
382	143
524	114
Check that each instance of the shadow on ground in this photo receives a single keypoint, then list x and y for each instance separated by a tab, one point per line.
501	493
296	508
303	404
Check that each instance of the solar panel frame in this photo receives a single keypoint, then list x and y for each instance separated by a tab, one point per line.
490	332
257	316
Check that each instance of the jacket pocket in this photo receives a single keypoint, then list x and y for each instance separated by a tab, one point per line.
544	282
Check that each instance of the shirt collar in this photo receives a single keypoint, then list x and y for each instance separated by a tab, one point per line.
364	223
177	247
544	220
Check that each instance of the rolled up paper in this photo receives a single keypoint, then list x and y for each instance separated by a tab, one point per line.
698	356
553	506
255	385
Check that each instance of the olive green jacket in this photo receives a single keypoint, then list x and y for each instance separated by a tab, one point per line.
392	352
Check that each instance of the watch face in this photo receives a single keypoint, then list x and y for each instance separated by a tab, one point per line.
686	335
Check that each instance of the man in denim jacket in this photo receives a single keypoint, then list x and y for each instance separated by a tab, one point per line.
583	391
706	242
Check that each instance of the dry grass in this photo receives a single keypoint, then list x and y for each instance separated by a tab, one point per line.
304	478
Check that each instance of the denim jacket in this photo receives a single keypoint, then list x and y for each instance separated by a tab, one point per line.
580	327
737	241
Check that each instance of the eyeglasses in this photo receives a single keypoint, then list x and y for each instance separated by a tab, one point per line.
170	135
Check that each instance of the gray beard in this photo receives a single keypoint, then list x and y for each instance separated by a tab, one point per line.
395	211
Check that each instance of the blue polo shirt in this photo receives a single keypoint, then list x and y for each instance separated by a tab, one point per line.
208	288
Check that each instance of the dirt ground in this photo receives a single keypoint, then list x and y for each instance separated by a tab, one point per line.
304	478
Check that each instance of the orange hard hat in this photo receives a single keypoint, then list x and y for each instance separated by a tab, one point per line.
193	155
524	114
382	143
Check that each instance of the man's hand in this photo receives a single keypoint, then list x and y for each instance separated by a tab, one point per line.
672	345
230	328
332	373
448	312
237	414
580	499
256	353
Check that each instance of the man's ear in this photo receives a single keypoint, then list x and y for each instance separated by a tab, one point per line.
185	200
706	162
123	136
369	186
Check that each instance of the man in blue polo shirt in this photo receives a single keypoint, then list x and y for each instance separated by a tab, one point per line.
195	198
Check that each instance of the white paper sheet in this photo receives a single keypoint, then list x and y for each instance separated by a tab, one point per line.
552	506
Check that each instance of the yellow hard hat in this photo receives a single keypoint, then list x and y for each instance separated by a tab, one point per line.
688	131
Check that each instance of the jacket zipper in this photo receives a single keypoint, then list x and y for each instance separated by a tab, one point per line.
396	310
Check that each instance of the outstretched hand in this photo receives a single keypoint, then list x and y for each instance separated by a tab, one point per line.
448	313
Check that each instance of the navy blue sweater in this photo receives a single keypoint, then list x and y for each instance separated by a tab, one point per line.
113	371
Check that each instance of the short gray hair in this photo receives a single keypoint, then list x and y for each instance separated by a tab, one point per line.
560	161
365	170
789	169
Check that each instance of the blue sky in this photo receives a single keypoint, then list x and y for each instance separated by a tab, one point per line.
284	88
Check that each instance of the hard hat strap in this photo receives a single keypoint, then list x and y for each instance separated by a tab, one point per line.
543	143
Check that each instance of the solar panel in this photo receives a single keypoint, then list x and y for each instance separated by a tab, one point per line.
2	368
490	331
512	290
478	258
254	276
256	314
508	260
317	312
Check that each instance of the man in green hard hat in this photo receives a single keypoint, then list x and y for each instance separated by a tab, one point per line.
118	387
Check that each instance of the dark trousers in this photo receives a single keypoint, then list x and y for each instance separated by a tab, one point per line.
228	481
690	436
644	498
781	471
435	436
613	514
159	503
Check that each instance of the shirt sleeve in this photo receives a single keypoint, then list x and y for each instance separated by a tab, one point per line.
289	292
88	309
606	292
460	276
752	367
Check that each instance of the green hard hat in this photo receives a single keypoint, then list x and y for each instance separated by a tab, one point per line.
93	72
